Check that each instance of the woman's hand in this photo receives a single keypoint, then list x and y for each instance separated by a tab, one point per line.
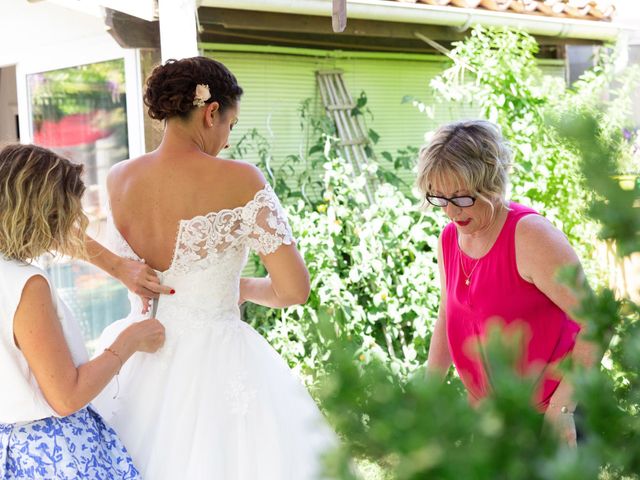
562	424
136	276
142	280
144	336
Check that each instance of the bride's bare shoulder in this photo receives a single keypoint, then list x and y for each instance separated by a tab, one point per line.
244	178
120	169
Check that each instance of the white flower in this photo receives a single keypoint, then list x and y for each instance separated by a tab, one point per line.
202	95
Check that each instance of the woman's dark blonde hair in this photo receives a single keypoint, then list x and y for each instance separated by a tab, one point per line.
40	204
473	153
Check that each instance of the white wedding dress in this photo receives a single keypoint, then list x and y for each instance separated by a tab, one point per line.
217	401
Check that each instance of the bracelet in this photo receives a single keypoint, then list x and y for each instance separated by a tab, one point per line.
113	352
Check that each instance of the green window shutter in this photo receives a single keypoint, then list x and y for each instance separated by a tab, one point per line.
275	84
274	87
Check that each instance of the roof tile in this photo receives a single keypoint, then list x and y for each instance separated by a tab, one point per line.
580	9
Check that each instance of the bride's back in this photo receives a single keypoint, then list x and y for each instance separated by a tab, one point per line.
198	99
151	194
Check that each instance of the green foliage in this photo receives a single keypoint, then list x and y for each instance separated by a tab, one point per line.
404	159
612	205
617	211
373	273
425	429
79	89
372	266
605	93
375	294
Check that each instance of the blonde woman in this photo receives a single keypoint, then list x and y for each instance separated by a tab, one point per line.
498	259
47	427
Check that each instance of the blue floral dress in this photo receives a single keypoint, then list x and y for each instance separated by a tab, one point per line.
79	446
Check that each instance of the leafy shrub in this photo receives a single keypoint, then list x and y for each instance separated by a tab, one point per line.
373	273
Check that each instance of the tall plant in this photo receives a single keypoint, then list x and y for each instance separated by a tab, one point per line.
372	265
373	273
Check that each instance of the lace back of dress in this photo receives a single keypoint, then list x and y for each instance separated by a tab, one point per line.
261	225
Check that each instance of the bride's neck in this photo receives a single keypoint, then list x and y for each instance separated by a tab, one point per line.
179	136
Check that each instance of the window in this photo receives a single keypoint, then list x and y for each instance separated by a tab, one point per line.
81	113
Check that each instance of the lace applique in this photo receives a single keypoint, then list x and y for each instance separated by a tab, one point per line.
239	395
268	222
261	225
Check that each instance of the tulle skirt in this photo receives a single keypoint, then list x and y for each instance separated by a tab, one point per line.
216	402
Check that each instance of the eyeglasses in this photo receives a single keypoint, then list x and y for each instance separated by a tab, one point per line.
462	202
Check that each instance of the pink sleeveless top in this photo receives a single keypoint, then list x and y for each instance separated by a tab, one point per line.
496	289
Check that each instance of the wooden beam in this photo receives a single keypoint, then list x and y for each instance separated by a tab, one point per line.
250	22
339	16
130	31
210	35
269	24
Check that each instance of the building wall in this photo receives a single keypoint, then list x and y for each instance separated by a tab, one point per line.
40	30
8	105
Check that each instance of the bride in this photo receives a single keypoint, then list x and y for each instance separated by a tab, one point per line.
216	402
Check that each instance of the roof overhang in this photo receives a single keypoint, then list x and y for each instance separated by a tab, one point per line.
422	14
143	9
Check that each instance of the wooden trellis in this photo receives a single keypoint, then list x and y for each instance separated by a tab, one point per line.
338	104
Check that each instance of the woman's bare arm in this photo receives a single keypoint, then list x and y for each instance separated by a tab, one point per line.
439	357
39	335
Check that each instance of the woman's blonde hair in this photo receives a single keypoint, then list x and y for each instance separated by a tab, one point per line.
473	153
40	204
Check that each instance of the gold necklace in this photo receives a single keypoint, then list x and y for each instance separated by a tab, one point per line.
467	280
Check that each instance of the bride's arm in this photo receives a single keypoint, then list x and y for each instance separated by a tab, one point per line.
136	276
271	237
286	285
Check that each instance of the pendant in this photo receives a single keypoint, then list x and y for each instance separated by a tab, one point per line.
467	282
